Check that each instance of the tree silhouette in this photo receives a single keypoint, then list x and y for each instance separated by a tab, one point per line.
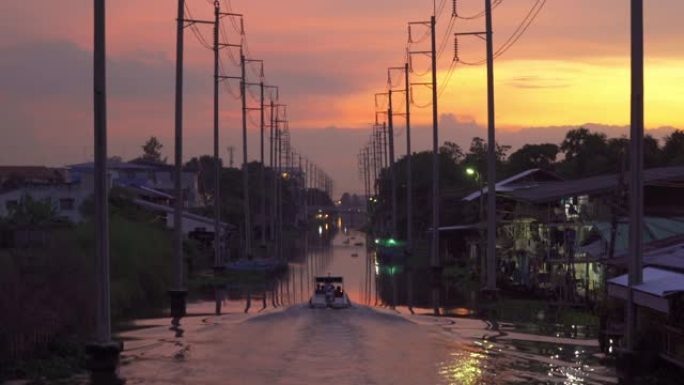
533	156
152	150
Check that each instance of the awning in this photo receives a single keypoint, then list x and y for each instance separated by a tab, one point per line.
657	286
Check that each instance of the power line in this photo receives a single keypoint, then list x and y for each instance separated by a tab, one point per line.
495	3
524	25
440	11
446	81
232	18
226	83
515	36
231	55
446	38
195	31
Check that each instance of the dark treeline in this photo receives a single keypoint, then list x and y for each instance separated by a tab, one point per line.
231	191
582	153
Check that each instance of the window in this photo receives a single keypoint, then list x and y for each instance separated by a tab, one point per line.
66	204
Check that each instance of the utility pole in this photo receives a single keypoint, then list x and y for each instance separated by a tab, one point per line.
302	188
281	241
178	293
367	172
279	187
245	173
385	146
273	206
409	166
393	179
306	191
103	352
489	261
434	250
263	166
218	260
103	329
231	154
374	159
491	156
636	185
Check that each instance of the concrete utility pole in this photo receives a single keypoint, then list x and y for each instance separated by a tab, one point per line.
491	155
281	253
262	174
231	156
218	260
393	179
385	146
103	329
178	293
103	353
434	250
367	166
302	197
636	185
274	172
268	207
245	173
278	152
409	161
374	147
306	190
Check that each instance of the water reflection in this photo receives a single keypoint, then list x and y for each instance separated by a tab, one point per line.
476	344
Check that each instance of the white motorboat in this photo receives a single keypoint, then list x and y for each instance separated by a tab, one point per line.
329	292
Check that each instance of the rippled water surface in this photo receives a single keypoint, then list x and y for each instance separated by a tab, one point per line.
367	344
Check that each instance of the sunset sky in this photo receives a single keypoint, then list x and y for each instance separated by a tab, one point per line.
329	58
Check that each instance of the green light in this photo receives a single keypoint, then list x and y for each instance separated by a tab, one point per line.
391	242
470	171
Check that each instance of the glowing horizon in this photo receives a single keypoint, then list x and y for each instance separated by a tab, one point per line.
571	67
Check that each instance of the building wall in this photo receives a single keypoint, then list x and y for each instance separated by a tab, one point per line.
65	198
159	178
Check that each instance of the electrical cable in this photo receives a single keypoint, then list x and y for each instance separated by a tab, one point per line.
515	36
522	28
495	3
195	31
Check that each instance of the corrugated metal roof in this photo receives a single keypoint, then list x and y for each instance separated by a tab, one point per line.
657	229
509	184
553	191
186	214
657	282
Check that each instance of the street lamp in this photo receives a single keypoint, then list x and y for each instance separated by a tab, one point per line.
470	171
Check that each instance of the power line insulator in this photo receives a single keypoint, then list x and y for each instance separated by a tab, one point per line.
456	48
454	11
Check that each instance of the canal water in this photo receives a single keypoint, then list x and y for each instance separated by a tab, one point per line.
278	339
